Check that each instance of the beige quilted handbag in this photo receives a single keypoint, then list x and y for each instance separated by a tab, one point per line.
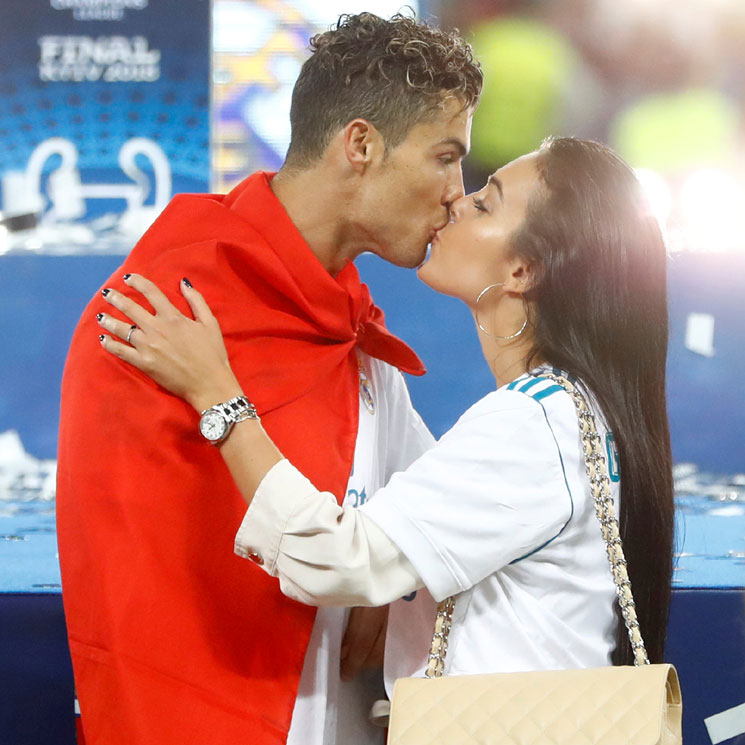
625	705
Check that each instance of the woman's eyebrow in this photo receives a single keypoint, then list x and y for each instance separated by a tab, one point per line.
494	181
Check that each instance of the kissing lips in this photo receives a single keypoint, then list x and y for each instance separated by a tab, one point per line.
436	230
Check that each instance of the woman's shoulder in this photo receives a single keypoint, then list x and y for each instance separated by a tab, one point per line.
521	395
499	415
533	402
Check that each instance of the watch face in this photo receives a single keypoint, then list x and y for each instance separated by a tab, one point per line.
213	426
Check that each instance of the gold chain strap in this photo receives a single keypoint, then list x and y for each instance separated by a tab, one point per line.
597	472
443	623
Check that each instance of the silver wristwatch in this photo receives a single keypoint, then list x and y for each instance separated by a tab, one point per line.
218	420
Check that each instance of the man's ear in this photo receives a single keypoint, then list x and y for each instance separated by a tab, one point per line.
363	144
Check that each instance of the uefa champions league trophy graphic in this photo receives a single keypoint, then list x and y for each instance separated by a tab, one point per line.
39	214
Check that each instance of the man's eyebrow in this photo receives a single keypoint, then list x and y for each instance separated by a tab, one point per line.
494	181
461	148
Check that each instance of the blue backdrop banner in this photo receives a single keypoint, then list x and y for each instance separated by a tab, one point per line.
104	114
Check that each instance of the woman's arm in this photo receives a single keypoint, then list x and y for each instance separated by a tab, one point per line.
492	491
322	553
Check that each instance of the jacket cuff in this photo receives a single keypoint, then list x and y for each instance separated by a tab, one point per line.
278	496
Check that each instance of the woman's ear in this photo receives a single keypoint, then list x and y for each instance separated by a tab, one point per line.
521	276
362	144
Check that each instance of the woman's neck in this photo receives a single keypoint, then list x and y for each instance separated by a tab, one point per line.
508	359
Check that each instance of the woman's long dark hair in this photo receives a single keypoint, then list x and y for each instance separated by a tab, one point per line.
600	301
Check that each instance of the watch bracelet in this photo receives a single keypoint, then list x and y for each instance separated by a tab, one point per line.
235	410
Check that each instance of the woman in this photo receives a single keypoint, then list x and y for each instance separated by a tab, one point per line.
563	267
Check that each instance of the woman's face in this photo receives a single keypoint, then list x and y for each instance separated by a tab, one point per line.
472	251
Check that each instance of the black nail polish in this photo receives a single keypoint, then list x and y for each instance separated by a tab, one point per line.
126	277
100	337
186	282
99	316
105	292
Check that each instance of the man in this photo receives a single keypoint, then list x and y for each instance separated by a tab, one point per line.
172	640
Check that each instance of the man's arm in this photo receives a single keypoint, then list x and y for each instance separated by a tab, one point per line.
363	645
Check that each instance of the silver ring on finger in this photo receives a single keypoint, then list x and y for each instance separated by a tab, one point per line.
132	328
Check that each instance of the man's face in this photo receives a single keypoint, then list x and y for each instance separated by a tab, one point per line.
408	194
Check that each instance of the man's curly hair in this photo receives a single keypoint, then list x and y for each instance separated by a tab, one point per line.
394	73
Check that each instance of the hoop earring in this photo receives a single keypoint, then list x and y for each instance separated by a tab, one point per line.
478	323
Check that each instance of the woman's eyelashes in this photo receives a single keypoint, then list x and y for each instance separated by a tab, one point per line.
479	204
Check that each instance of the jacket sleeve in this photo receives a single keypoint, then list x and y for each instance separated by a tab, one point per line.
323	554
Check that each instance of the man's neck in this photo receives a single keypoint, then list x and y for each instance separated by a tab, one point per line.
318	206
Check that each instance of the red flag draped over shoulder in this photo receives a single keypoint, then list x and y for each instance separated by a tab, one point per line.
175	639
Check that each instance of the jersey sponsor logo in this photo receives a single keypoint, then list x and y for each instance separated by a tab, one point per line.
356	498
614	468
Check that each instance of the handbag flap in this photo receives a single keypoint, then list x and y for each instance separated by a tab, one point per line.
610	705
